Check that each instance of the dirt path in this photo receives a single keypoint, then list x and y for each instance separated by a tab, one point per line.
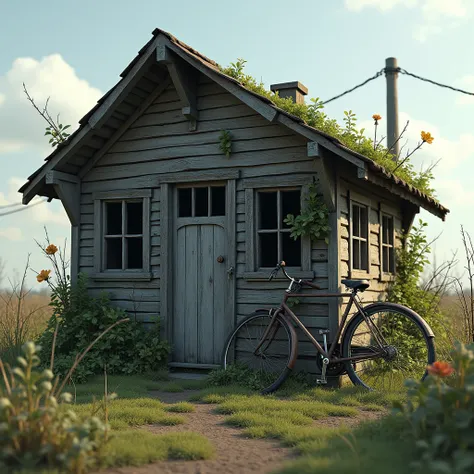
235	454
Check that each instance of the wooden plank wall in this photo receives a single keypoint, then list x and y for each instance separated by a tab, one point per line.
378	287
159	143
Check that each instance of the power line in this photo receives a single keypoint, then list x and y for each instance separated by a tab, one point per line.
22	208
404	71
375	76
401	71
7	206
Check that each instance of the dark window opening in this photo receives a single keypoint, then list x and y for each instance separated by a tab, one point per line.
114	218
218	201
134	252
268	210
123	219
113	252
290	204
201	202
185	202
360	229
388	247
274	241
134	218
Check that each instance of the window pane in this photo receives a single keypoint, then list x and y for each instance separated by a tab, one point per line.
268	249
391	261
268	211
384	230
385	259
291	250
201	202
363	222
290	204
355	220
134	252
363	255
218	201
185	203
113	217
134	217
356	254
390	230
113	254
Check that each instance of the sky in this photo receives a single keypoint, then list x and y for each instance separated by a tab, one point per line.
74	51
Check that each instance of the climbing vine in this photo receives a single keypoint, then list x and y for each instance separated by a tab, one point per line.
225	140
349	135
313	220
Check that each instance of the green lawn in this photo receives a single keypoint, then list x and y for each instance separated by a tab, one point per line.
294	415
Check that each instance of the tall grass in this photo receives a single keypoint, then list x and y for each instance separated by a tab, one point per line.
23	316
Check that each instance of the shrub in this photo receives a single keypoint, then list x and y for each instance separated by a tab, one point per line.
127	349
440	413
34	431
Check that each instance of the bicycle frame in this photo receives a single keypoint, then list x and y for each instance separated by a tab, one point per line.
285	311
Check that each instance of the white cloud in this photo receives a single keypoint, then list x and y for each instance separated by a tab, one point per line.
435	16
383	5
11	233
466	83
21	127
41	213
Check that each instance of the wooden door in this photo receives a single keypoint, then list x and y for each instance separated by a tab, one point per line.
203	276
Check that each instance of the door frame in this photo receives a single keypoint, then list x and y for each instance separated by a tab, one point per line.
167	224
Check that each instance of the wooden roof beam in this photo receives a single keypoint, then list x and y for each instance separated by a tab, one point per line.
184	79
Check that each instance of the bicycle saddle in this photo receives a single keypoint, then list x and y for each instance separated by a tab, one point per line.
358	285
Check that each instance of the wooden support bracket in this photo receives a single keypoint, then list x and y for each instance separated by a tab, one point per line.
184	79
67	188
325	174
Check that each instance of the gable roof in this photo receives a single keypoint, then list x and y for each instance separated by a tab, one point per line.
263	105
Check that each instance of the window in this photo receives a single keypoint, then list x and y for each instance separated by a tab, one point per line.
122	234
206	201
388	248
360	241
273	235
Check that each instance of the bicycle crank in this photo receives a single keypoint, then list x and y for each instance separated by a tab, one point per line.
322	380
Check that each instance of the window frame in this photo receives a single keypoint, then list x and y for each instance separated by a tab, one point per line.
361	201
100	199
387	212
252	270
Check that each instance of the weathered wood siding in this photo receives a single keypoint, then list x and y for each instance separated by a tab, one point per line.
159	144
376	197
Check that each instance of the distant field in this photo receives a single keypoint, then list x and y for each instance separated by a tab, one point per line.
21	320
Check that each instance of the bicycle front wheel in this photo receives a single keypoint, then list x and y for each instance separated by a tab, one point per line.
393	344
271	362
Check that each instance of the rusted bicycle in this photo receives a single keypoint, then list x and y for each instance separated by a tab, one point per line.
382	344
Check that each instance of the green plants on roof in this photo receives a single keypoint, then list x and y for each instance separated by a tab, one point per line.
353	138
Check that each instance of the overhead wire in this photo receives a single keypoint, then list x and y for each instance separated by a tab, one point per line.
25	208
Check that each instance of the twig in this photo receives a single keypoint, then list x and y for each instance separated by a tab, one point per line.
80	357
397	140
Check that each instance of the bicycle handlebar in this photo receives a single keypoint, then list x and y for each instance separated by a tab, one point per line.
281	266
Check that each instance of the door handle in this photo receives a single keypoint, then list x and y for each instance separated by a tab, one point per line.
230	272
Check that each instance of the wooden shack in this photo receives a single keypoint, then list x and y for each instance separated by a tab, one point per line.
170	226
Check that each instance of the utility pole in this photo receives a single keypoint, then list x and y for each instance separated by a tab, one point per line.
391	76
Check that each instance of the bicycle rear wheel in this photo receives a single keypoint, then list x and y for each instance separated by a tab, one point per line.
272	361
405	351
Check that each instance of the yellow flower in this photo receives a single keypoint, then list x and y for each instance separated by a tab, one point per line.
43	275
51	249
377	117
426	137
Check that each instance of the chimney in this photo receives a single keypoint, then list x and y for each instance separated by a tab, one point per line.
295	90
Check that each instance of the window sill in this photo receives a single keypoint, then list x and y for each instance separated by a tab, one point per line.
360	274
387	277
265	275
122	276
